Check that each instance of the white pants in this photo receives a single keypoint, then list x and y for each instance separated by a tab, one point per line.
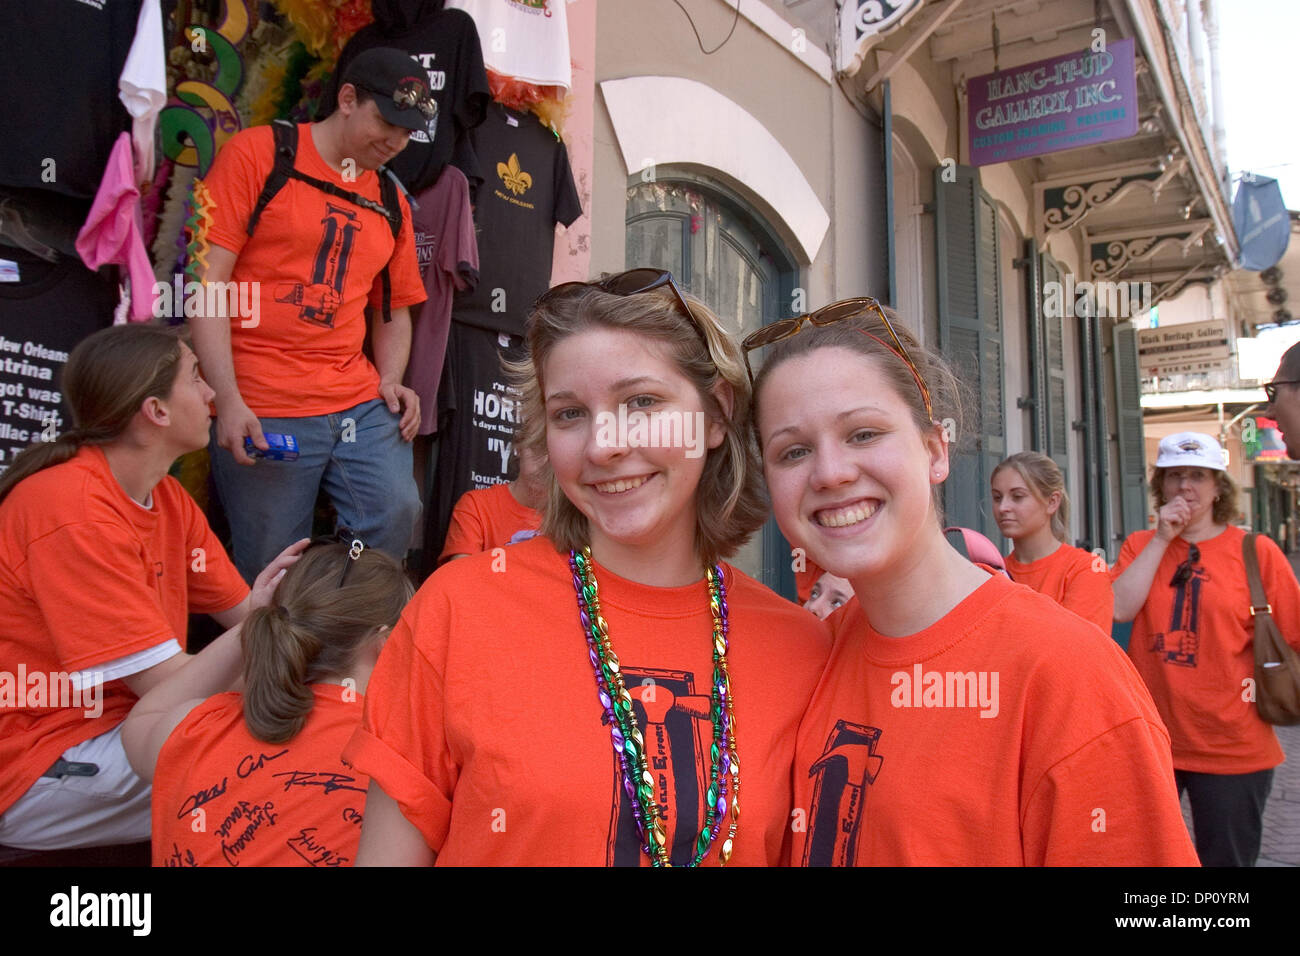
60	813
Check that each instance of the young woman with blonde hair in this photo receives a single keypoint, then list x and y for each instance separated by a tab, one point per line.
604	693
961	720
260	768
1033	510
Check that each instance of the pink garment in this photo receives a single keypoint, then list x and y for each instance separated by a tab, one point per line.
978	548
447	251
114	234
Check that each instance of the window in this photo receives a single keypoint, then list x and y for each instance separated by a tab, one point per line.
722	253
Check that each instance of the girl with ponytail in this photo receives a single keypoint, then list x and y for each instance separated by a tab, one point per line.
1033	510
267	759
102	559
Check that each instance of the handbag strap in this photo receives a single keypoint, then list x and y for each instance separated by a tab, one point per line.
1258	600
1260	609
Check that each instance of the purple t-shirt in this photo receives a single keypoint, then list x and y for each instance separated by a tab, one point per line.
447	251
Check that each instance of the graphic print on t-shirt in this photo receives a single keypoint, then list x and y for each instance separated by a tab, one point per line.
677	728
319	302
1180	642
847	766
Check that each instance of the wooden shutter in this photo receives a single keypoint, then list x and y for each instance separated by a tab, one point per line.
993	430
1089	373
1037	366
1132	444
970	337
1055	416
959	332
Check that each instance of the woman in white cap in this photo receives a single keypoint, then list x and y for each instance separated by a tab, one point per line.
1184	587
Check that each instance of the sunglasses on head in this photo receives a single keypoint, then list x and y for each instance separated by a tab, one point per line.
631	282
1183	573
343	536
1270	389
829	315
411	94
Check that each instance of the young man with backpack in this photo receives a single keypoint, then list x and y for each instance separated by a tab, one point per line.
309	220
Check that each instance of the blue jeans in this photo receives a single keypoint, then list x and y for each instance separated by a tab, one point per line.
358	457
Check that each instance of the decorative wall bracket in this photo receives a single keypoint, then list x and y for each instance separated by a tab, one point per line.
862	23
1065	203
1111	253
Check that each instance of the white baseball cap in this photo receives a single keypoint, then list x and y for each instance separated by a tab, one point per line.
1190	450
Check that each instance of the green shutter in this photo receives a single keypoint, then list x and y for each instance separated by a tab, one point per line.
1055	417
1132	444
1037	367
959	332
1088	378
970	336
993	417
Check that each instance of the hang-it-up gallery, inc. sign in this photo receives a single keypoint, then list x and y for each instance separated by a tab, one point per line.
1079	99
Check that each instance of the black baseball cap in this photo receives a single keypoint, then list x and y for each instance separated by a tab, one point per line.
399	85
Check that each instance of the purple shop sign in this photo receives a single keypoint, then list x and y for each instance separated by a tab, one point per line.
1080	99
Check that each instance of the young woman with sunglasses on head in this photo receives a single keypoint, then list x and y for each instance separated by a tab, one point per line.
1184	587
604	693
260	768
943	732
1033	510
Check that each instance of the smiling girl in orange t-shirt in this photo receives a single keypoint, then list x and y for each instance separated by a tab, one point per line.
521	713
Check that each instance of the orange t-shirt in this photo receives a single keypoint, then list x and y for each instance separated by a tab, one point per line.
482	719
1194	645
1008	733
1070	577
88	576
318	260
488	518
289	804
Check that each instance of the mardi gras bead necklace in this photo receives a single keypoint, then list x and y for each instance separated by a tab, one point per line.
722	796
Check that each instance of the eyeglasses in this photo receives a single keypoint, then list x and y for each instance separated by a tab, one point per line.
411	94
829	315
1183	574
631	282
343	536
1270	389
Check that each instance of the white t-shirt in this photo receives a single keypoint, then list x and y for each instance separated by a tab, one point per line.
526	39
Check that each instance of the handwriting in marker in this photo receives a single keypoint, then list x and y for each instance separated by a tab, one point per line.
352	815
247	764
254	816
176	859
329	782
197	799
314	852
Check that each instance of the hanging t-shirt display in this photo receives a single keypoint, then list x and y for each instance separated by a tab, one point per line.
63	58
526	39
448	255
528	188
478	415
46	308
446	42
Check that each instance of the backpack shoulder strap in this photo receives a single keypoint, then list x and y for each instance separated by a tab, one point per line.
286	151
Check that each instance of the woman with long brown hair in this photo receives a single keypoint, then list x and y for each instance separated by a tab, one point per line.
260	767
102	559
961	720
597	694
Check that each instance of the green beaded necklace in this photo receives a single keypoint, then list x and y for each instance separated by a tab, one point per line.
720	799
